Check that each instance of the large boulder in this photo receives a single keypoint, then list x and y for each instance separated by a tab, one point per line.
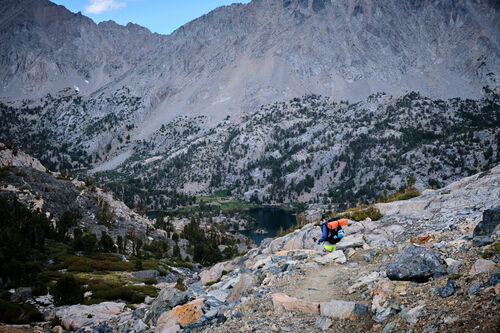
212	274
77	316
299	239
484	229
343	309
284	302
180	316
416	264
350	241
166	300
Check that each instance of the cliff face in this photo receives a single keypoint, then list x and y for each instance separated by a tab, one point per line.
246	55
46	48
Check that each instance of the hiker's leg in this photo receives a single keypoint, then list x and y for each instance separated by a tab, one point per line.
329	247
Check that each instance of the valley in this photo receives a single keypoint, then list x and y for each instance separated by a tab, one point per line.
174	183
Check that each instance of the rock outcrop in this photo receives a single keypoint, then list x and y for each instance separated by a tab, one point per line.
167	299
77	316
180	316
484	229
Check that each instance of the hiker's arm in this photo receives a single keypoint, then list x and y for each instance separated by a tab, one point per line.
325	233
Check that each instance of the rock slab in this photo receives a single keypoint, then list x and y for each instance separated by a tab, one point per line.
180	316
284	302
323	323
78	316
245	283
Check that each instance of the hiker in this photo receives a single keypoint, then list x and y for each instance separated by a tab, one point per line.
332	232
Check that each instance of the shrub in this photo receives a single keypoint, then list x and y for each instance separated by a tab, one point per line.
150	281
11	313
407	194
20	173
67	291
131	294
180	284
4	172
359	214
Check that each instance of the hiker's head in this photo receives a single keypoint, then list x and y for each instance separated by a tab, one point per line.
324	216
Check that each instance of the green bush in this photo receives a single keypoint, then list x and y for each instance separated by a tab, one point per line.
130	294
150	281
67	291
359	214
407	194
180	284
11	313
4	172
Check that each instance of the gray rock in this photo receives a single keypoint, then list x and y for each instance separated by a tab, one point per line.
382	316
452	265
449	289
411	315
475	288
146	274
138	313
21	294
342	309
389	327
245	283
212	313
494	279
491	219
479	241
442	245
323	323
219	294
77	316
416	264
166	300
139	326
367	257
431	329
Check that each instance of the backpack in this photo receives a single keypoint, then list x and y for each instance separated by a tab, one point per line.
335	231
337	223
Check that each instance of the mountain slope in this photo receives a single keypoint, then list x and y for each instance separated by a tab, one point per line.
229	63
46	48
317	149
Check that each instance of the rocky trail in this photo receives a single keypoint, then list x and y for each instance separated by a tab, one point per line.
418	269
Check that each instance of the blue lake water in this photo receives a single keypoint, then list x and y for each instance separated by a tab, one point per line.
270	219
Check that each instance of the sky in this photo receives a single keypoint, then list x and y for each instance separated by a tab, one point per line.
161	16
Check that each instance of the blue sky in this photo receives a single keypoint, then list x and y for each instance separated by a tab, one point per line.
162	16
